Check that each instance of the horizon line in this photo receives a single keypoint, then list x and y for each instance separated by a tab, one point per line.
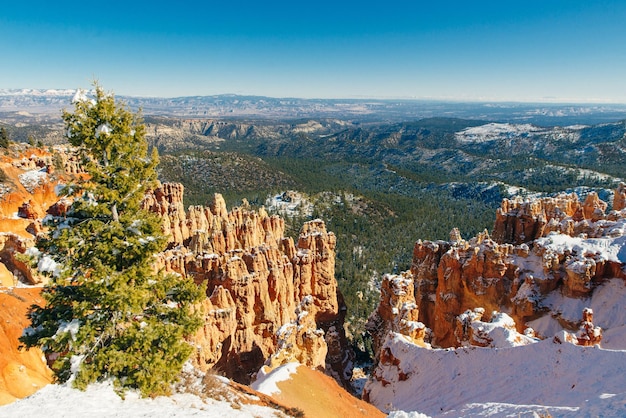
482	100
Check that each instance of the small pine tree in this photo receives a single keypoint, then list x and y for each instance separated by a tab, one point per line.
4	138
108	314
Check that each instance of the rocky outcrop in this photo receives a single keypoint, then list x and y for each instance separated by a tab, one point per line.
497	331
22	372
397	311
167	202
588	334
15	267
270	299
521	220
619	201
499	293
538	247
30	182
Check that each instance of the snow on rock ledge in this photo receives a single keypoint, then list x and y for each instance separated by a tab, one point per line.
562	379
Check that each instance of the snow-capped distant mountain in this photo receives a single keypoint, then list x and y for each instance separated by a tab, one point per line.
37	92
231	105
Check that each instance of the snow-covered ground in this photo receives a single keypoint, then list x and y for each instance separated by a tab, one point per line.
494	131
545	377
540	378
504	131
606	303
289	203
33	178
266	381
100	400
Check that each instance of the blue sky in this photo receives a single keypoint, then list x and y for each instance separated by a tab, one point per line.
548	50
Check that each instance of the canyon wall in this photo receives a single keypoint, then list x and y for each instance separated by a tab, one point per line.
28	177
537	277
270	299
539	247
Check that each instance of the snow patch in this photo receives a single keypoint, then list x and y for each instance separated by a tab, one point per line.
494	131
103	130
47	265
100	400
33	178
290	204
266	381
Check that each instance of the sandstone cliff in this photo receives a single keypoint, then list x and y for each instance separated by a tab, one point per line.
543	253
521	220
269	299
22	372
29	178
550	259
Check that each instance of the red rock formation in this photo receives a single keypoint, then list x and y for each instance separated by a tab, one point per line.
588	334
22	372
619	200
285	302
453	277
426	258
519	220
29	191
257	281
167	202
593	208
11	245
396	312
27	211
470	274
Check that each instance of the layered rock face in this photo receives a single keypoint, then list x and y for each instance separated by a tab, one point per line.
22	372
269	299
397	311
30	177
521	220
538	247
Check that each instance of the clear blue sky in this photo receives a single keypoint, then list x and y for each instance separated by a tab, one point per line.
549	50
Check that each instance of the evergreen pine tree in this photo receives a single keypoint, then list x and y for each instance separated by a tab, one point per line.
108	314
4	138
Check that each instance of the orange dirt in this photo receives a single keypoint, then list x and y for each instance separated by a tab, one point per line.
319	396
22	372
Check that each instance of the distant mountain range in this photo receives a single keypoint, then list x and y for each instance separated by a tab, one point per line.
51	101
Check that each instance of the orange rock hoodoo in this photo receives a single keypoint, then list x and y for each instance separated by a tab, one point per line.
588	334
511	270
269	299
397	311
619	201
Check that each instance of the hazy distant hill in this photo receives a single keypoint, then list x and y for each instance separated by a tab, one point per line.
51	101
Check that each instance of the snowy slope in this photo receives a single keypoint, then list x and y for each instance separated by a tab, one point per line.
562	379
266	381
607	303
101	401
495	131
